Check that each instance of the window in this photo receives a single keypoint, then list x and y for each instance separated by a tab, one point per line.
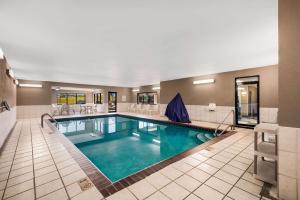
70	98
98	97
147	98
80	99
61	99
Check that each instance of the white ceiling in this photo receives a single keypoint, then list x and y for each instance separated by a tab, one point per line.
136	42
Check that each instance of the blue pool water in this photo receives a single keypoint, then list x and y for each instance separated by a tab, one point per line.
120	146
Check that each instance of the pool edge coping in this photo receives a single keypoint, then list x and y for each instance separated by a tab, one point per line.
103	184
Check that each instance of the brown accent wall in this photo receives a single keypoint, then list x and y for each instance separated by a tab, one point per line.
222	91
145	88
7	86
289	63
47	96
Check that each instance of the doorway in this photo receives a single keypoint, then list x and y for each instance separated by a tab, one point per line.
247	101
112	102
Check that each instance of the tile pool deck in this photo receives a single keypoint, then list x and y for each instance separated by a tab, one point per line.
34	164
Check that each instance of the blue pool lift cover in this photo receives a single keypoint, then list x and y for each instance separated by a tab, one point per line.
176	110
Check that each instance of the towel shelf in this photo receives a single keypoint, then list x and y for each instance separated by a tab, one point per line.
266	153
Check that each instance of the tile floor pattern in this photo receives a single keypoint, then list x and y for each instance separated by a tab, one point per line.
35	165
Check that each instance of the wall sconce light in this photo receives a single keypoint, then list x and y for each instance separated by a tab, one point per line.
156	88
205	81
135	90
30	85
16	82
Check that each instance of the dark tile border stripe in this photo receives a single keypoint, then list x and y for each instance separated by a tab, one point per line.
104	185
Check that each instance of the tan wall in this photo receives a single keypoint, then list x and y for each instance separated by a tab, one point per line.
7	86
7	93
222	91
289	63
146	88
47	96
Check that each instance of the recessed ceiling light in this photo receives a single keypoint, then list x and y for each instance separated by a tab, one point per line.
30	85
204	81
156	88
135	90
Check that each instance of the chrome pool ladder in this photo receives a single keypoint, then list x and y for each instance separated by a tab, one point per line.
220	124
44	115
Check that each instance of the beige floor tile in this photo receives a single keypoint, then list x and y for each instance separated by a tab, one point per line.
27	195
227	198
21	171
123	194
157	196
238	164
20	160
207	193
45	170
38	155
42	159
229	178
56	195
73	189
249	177
249	187
188	182
62	158
182	166
219	185
174	191
46	178
206	153
4	169
20	179
191	161
239	194
221	158
158	180
142	189
170	172
66	163
199	175
22	164
227	155
3	184
208	168
23	155
4	176
214	163
90	194
245	155
199	157
243	160
5	164
233	170
16	189
68	170
49	187
74	177
192	197
43	164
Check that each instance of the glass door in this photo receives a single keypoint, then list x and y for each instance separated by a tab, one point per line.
112	102
247	101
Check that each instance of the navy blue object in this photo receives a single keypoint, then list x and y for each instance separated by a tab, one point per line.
176	110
